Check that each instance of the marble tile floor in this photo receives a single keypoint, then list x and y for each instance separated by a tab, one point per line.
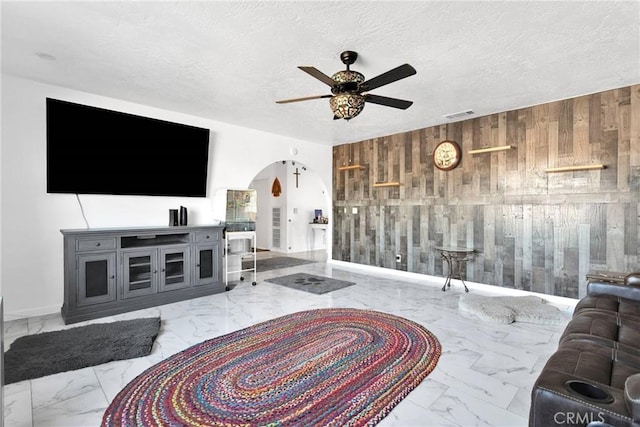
484	376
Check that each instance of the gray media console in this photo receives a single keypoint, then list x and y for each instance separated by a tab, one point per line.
110	271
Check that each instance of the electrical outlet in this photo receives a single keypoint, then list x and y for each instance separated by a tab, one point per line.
398	258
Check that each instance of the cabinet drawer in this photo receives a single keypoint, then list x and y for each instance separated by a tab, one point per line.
83	245
207	236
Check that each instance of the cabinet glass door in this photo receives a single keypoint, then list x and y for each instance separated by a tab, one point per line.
207	264
139	273
174	272
96	278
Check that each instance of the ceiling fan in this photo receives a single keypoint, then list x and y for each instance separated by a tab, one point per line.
348	88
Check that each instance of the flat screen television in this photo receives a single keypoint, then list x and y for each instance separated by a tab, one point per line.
97	151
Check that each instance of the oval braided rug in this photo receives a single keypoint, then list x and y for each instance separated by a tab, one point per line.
319	367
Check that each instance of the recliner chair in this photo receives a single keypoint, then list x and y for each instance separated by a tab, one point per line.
593	379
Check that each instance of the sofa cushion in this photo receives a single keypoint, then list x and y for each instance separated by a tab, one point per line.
598	302
605	328
608	303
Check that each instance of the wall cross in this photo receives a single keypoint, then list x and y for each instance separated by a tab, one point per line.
297	174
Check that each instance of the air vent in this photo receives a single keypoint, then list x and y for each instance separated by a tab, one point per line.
275	227
460	114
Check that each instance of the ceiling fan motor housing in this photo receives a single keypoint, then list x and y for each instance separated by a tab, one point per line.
347	81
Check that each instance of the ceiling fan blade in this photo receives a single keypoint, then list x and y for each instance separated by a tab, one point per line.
319	75
388	102
306	98
390	76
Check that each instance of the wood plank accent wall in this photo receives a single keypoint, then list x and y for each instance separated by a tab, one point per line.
532	230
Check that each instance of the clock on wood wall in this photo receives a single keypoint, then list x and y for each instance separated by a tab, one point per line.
446	155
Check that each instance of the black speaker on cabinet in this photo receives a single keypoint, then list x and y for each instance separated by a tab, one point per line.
183	215
173	217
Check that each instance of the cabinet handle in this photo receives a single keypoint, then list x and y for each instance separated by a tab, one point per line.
163	270
98	244
155	271
206	237
198	265
112	277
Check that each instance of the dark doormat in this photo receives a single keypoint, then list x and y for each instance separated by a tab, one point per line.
34	356
274	263
310	283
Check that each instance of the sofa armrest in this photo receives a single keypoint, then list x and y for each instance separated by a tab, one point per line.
632	396
628	291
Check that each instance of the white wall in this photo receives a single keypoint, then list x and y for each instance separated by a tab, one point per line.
263	218
31	219
301	203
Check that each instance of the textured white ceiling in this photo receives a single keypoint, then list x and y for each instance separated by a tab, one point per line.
229	61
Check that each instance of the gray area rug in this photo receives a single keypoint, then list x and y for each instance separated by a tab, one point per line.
310	283
274	263
503	309
34	356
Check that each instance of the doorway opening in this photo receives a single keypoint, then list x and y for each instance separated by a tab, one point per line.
293	209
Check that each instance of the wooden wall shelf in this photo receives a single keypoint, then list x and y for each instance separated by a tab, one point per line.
351	167
386	184
491	149
575	168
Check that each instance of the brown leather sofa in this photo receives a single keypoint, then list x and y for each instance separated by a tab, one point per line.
593	379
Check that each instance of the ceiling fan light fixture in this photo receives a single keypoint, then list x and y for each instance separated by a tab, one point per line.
347	105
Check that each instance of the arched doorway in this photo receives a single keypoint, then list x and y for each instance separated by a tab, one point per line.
284	222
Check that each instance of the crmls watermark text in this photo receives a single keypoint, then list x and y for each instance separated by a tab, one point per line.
577	418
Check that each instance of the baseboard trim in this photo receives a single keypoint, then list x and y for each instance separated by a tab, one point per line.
423	279
426	279
32	312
